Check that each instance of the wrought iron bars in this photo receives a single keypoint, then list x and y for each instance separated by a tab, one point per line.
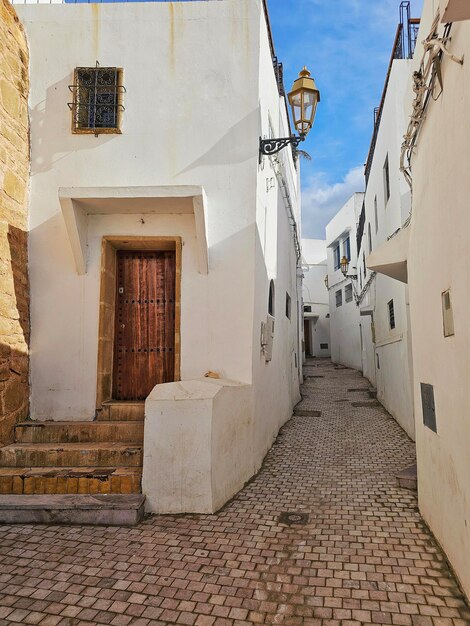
96	105
268	147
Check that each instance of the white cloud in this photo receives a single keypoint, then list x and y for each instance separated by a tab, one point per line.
321	200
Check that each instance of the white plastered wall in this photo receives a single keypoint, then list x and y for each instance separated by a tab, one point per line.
344	320
387	362
275	383
440	227
180	127
192	118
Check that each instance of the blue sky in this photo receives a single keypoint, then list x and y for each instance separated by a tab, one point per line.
346	44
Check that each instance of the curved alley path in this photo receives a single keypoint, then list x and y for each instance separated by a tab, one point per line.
363	557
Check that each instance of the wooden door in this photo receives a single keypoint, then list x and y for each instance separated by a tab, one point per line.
144	347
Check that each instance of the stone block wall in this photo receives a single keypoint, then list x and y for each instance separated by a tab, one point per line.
14	174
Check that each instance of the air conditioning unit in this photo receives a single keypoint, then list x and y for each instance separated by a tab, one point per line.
267	338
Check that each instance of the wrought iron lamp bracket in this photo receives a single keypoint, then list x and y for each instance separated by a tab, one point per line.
268	147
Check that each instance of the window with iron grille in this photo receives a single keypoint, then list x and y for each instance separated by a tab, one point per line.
376	215
348	294
391	314
271	298
386	172
97	100
347	248
337	257
307	308
339	298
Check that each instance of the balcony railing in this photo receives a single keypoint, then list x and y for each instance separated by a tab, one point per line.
403	48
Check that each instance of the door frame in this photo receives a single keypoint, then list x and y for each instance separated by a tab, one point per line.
109	247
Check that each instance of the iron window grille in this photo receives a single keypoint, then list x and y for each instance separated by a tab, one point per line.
97	100
386	173
391	314
337	257
288	305
339	298
348	293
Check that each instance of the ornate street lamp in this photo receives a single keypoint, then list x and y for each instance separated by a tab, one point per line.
303	99
344	265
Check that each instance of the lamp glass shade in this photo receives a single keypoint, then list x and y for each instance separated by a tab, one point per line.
303	100
344	264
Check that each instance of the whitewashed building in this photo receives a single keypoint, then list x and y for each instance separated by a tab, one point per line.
435	160
161	247
344	292
384	306
316	306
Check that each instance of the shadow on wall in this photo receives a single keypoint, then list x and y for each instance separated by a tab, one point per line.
14	331
237	145
51	120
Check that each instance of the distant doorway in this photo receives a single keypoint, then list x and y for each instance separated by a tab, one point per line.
307	338
144	336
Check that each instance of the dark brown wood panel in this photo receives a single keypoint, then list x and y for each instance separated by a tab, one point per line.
144	349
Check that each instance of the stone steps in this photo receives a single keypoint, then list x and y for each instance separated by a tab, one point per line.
102	454
98	510
408	478
80	432
77	457
71	480
119	411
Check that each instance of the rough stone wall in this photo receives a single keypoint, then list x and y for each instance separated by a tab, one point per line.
14	173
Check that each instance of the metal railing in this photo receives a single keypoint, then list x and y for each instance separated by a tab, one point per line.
403	48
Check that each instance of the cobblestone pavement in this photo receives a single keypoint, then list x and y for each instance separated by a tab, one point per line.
364	556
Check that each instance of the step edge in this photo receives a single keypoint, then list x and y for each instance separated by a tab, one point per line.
71	501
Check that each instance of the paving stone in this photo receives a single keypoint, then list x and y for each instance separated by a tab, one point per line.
363	557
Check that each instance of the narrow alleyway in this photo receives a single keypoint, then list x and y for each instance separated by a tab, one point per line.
362	557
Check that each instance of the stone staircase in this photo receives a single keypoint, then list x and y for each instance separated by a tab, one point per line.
87	458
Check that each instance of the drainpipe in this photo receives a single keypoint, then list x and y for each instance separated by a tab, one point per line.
298	254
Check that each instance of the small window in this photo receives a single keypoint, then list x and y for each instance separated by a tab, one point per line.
347	248
307	308
271	299
364	265
447	314
337	257
348	295
376	215
370	237
288	305
339	297
386	180
323	346
429	406
97	100
391	314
